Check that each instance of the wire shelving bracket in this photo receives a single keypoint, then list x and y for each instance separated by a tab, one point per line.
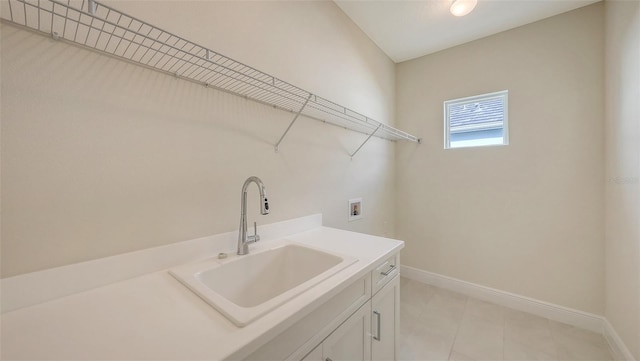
291	124
365	142
106	30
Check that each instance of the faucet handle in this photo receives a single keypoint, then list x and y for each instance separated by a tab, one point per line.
256	236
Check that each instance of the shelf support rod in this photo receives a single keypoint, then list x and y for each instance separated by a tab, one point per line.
293	121
366	140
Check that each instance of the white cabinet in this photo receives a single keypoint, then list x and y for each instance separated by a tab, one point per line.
350	341
359	324
371	333
303	337
385	321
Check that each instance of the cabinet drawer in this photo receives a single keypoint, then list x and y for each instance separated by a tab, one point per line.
384	272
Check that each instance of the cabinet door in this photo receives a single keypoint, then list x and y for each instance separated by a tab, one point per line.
385	321
351	341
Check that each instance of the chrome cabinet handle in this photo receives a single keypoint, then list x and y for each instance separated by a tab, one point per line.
388	272
378	317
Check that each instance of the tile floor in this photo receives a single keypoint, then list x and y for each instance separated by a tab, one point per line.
437	324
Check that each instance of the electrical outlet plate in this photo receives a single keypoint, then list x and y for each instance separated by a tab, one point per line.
355	209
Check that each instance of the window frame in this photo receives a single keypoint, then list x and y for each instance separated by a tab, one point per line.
504	94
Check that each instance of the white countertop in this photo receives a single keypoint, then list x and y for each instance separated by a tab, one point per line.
154	316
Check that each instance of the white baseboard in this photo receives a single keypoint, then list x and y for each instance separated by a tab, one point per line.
548	310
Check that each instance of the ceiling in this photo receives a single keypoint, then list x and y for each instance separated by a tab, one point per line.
409	29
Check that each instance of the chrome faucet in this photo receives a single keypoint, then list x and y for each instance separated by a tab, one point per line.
243	239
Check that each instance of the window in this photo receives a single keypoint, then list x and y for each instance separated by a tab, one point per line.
476	121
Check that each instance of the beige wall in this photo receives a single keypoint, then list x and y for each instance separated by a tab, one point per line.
622	127
528	217
101	157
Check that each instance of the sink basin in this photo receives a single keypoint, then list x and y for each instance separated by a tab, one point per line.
247	287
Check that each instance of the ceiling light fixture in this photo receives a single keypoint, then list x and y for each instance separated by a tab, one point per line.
462	7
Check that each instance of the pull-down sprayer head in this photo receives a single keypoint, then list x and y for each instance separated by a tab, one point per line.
264	202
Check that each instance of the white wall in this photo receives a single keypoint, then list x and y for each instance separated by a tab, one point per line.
101	157
528	217
622	126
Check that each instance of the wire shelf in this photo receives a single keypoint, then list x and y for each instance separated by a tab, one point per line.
107	30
